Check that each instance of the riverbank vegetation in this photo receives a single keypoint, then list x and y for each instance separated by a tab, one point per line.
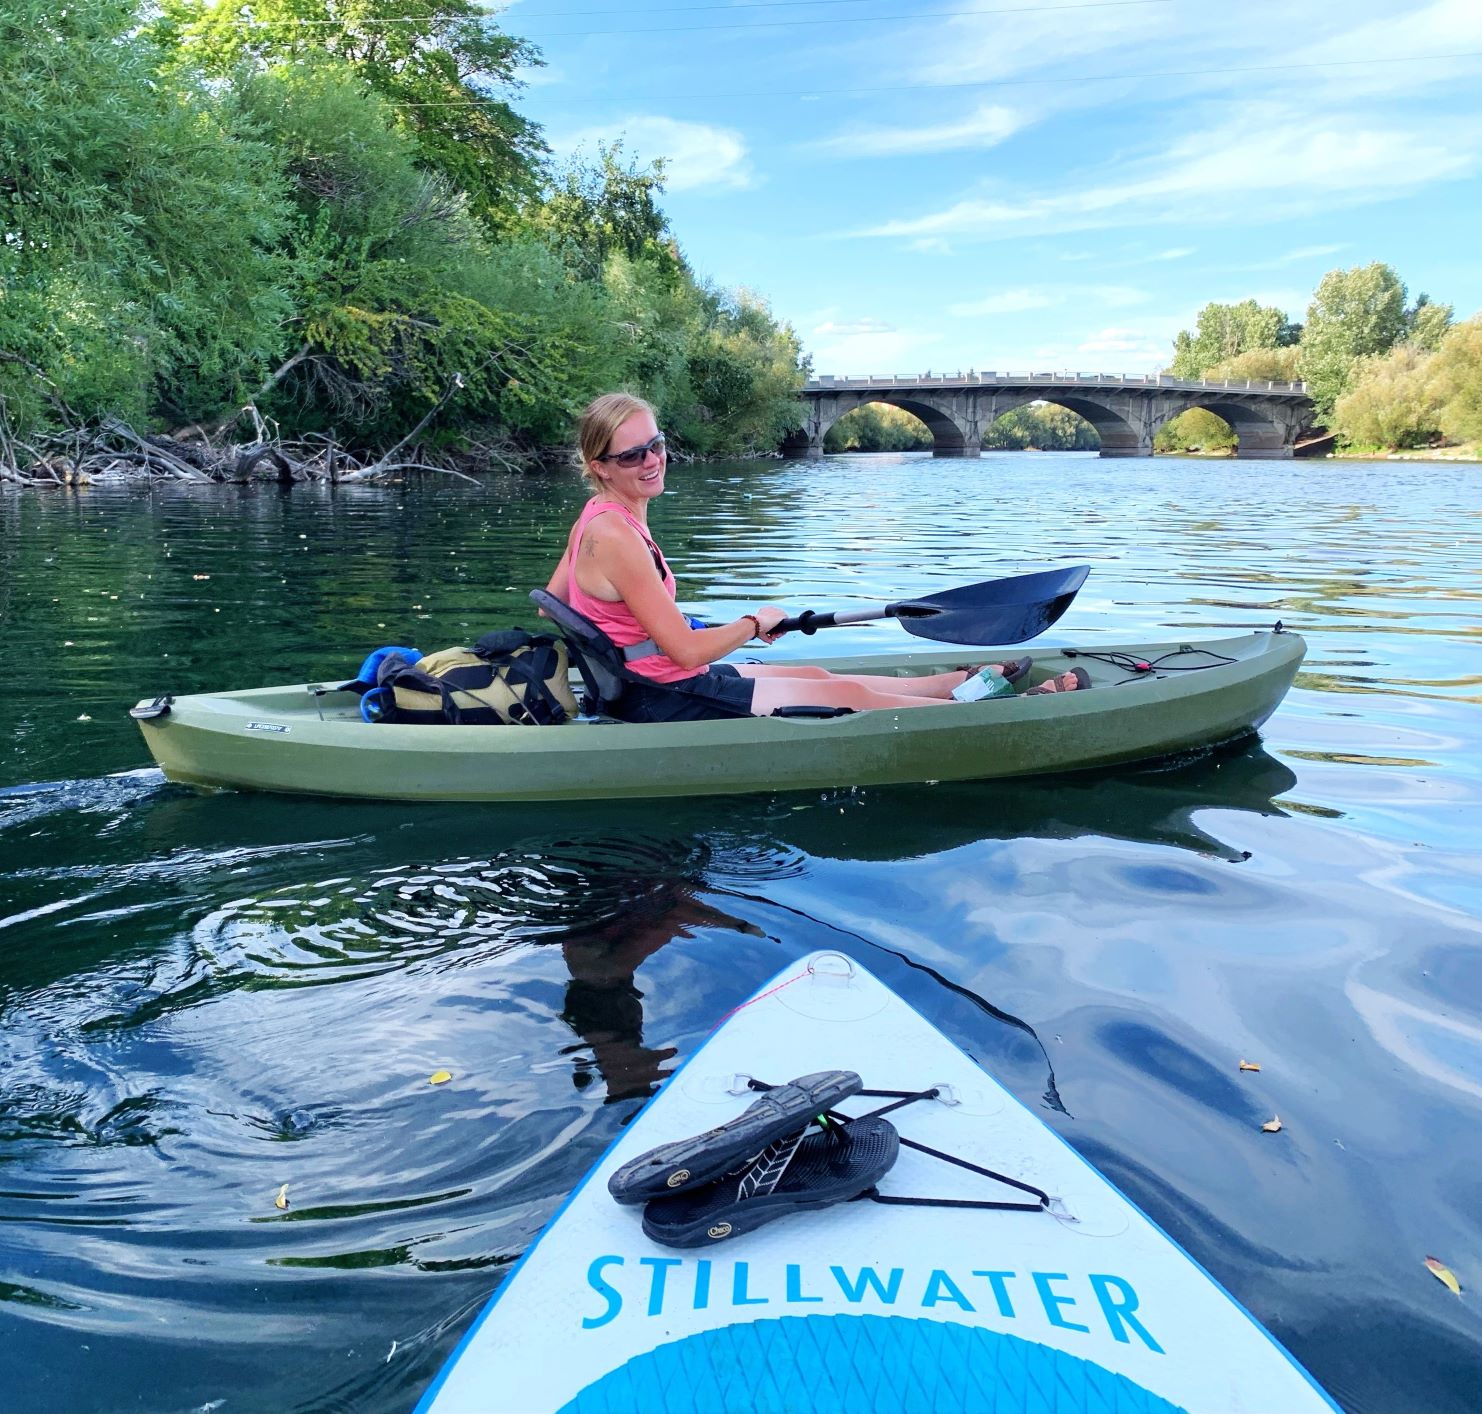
333	247
1385	374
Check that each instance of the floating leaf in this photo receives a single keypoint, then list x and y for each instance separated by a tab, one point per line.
1249	1065
440	1077
1272	1125
1443	1274
281	1201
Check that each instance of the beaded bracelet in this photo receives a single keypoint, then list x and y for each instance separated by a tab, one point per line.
756	623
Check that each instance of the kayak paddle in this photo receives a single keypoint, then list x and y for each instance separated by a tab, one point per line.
997	611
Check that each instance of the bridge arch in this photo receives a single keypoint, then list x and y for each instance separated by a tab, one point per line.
1257	435
1119	436
950	436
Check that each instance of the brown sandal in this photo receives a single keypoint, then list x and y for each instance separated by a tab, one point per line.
1079	676
1010	672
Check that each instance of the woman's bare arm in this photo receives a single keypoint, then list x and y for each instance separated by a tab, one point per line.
621	556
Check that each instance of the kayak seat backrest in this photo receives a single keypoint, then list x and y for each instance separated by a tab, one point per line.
604	671
598	659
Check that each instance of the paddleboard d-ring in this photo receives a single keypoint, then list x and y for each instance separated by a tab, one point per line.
830	967
830	989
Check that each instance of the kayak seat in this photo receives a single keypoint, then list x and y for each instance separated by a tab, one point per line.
605	674
604	671
598	659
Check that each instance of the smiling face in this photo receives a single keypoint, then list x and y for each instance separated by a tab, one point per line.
634	485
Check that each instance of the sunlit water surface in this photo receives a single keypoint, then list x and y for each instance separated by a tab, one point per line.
205	997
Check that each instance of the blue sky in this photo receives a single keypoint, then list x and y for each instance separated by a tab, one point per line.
998	185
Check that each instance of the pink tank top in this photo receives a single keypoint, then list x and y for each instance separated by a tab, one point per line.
614	618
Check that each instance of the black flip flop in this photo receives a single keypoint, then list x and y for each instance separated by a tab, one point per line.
688	1163
811	1169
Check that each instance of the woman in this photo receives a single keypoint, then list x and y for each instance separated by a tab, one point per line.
613	572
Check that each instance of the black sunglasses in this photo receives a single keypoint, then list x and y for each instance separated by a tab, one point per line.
634	455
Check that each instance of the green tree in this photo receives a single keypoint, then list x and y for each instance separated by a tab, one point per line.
743	373
1354	314
138	263
377	253
1047	427
1197	430
878	427
1259	365
443	65
597	209
1391	401
1426	323
1225	330
1456	373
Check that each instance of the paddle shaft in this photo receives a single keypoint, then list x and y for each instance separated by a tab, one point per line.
1008	610
809	622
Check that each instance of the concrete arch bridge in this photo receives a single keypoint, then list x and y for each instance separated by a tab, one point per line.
959	408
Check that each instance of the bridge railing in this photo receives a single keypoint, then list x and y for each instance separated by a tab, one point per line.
855	382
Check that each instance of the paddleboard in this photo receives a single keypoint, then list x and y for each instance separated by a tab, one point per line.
860	1307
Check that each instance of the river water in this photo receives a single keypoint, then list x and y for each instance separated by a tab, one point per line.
205	997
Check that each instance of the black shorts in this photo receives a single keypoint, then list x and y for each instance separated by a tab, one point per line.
719	692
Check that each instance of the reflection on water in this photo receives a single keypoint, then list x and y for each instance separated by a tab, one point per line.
206	997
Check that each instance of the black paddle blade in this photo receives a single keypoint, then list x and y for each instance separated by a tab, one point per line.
1009	610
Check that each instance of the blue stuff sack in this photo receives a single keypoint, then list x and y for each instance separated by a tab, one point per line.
373	699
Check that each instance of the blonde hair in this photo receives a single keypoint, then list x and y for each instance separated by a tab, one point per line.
598	421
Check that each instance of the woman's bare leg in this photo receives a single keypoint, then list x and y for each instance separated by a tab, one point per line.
772	692
935	685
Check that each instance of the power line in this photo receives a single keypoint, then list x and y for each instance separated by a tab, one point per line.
996	83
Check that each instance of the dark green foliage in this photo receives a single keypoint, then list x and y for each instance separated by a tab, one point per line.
141	221
1044	426
878	427
595	210
228	206
442	65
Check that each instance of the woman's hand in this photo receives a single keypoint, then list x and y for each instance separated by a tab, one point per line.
768	617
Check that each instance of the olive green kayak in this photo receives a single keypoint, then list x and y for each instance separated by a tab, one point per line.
310	740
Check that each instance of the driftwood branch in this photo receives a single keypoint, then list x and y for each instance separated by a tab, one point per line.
383	464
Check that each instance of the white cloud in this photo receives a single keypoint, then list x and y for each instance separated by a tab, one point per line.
1007	302
930	245
696	155
987	126
1271	158
1116	341
1021	301
1115	296
899	351
539	75
855	326
1177	253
